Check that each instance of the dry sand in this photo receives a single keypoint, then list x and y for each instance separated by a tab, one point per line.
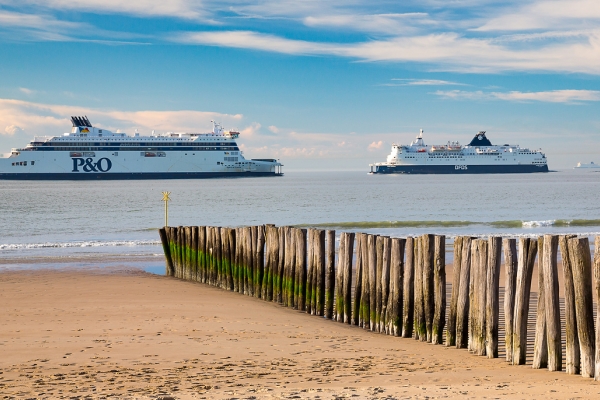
128	334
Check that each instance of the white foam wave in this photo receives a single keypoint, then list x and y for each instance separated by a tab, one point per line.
87	243
535	224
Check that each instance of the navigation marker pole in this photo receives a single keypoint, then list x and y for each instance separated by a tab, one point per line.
166	199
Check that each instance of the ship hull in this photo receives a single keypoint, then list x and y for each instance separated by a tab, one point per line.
458	169
131	176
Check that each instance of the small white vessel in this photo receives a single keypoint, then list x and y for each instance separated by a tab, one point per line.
590	165
90	153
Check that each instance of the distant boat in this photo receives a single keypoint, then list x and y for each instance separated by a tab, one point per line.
590	165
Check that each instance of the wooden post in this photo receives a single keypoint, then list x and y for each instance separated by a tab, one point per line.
248	272
579	252
274	278
451	331
278	280
339	280
225	257
439	284
254	257
319	253
208	255
420	329
597	287
394	309
378	272
330	274
238	260
290	251
462	304
300	280
540	346
181	252
526	259
310	272
194	254
347	277
356	305
267	283
365	318
232	261
478	309
202	254
162	232
428	248
573	361
218	257
261	284
372	248
510	267
408	299
187	244
385	282
492	294
550	272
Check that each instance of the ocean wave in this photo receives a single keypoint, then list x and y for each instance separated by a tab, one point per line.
81	244
453	224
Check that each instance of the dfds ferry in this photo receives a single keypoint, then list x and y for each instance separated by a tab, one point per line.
88	153
478	157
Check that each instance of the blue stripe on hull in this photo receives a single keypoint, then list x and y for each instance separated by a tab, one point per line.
451	169
130	175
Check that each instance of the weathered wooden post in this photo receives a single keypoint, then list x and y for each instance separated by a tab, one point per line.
347	277
194	254
372	248
232	259
218	257
339	280
164	239
579	251
239	258
394	309
201	254
330	274
526	260
310	272
300	279
439	295
510	267
172	235
278	286
462	304
267	281
259	269
420	328
187	253
597	286
365	319
225	257
492	292
540	346
550	268
378	271
479	259
356	305
180	252
319	253
428	247
408	300
451	331
385	282
291	275
209	255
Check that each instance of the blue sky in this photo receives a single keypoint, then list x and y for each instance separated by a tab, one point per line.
317	84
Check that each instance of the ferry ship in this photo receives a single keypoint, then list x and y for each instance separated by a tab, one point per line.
585	166
478	157
91	153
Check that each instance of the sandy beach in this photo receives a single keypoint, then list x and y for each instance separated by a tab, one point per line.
100	333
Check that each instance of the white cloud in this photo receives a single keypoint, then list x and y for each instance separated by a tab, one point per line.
546	14
187	9
274	129
11	130
551	96
26	91
251	130
423	82
50	119
375	145
449	51
392	23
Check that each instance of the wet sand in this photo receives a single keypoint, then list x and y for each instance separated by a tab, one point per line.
98	333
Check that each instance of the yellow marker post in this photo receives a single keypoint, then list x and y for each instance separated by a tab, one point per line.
166	199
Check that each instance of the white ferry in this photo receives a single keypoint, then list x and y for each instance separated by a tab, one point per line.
478	157
88	153
583	165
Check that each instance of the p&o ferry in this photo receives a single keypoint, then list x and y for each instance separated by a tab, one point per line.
89	153
478	157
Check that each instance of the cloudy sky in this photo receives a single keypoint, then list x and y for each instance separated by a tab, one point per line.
318	84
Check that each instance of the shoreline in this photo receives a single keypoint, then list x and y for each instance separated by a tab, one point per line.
125	333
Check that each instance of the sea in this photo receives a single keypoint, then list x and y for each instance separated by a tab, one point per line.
113	224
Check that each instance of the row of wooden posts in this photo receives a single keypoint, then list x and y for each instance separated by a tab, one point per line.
397	286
